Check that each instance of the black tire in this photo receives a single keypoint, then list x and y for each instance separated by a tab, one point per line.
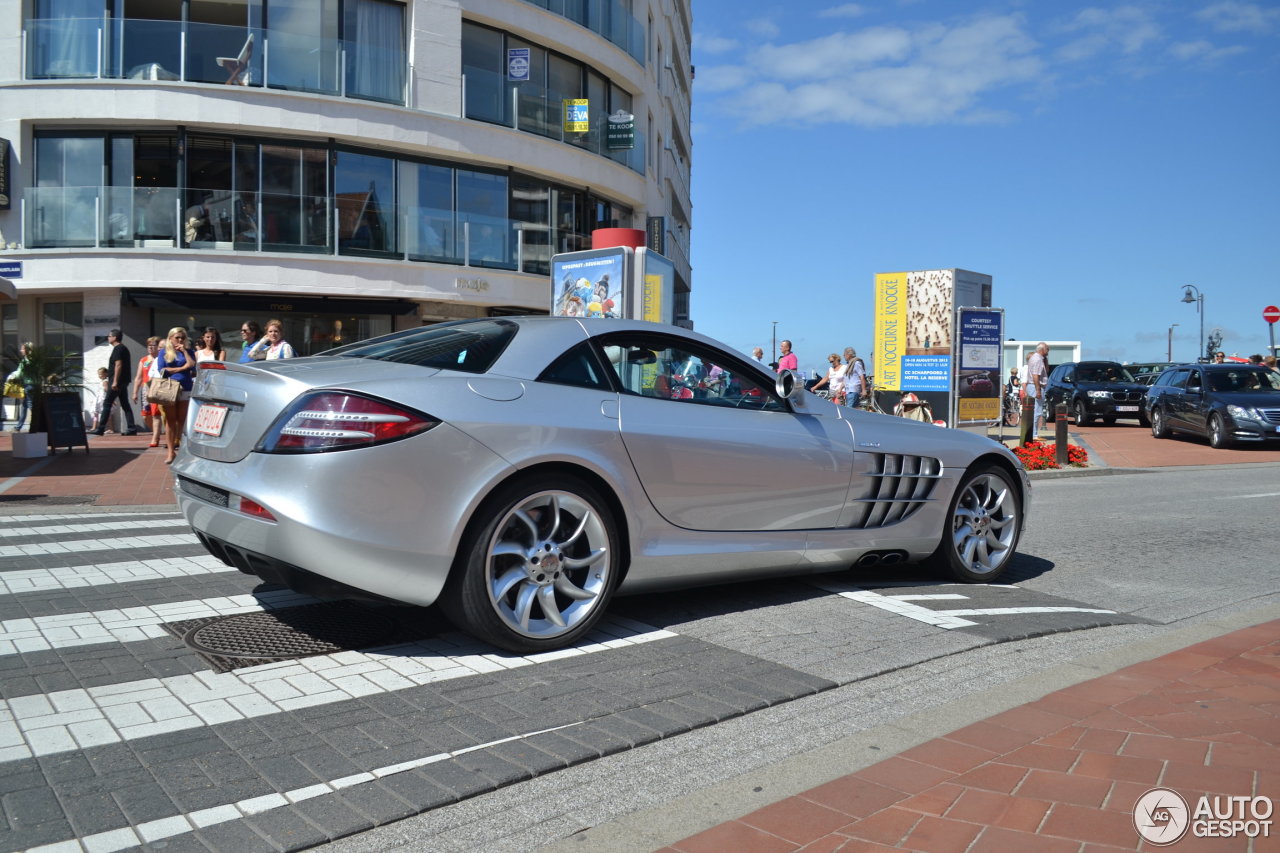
1159	428
1143	420
1218	437
1081	412
537	566
984	522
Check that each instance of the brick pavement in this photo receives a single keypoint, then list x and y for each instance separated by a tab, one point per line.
1059	774
116	470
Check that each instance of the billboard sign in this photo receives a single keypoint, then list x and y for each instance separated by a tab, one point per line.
518	64
593	283
655	288
979	340
890	328
576	118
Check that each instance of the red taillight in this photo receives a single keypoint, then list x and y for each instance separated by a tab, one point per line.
212	365
339	420
255	509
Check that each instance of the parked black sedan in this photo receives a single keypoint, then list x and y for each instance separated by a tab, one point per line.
1095	389
1227	403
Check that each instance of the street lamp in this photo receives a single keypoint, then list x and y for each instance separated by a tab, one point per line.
775	341
1199	297
1169	357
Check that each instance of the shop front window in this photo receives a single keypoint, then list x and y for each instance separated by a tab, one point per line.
307	333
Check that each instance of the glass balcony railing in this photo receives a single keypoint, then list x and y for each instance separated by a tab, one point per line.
227	220
187	51
609	18
531	108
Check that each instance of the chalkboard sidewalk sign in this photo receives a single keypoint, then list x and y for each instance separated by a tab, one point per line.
64	421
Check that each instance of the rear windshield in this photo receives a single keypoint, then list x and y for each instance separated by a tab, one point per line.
471	346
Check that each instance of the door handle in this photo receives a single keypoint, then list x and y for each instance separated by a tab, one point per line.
609	408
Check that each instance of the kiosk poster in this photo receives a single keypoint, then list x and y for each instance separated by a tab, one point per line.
590	283
890	328
657	285
980	333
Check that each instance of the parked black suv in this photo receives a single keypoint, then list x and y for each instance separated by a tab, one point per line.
1095	389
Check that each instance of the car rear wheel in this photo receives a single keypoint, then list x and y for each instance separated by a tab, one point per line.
1082	413
984	523
537	567
1218	437
1159	428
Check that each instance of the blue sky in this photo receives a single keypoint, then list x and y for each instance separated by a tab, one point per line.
1093	159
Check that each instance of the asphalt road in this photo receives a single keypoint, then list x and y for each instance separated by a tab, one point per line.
691	703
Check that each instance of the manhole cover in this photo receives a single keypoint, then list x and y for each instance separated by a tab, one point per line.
249	639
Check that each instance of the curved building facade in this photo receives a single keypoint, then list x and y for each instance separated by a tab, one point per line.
351	167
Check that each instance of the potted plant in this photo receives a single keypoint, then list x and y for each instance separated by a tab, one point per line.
46	371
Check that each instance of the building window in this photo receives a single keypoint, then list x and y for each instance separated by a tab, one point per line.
374	50
62	328
365	202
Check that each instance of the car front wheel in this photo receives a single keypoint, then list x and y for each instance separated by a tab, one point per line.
537	567
1218	437
984	522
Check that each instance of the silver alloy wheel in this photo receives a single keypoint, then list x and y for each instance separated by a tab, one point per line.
1157	424
547	564
985	525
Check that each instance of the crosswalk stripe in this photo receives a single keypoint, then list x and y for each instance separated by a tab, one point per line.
82	516
131	624
70	720
105	574
144	524
84	545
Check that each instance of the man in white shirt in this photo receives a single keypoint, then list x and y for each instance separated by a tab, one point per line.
1038	377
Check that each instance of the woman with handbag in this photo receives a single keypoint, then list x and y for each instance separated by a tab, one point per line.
176	364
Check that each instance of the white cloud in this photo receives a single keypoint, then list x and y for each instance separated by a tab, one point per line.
884	76
848	10
1233	17
763	27
714	44
1126	28
1203	51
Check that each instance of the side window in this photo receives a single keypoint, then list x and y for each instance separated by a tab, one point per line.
1193	380
656	366
1176	379
577	367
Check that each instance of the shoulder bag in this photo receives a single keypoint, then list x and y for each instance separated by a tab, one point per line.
163	390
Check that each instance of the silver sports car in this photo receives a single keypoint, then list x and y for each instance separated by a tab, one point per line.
519	472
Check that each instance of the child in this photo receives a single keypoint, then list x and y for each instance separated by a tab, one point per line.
100	395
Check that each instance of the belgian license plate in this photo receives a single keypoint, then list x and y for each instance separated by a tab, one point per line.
1126	408
209	420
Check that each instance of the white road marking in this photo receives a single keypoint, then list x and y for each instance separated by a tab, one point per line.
69	577
1012	611
94	526
70	720
171	827
948	596
1249	497
132	623
88	545
896	605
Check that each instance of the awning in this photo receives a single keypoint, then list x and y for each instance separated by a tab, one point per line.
201	300
8	288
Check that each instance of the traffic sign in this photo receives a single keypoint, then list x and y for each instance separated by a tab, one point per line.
1271	313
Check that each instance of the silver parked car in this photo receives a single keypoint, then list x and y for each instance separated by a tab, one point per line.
520	471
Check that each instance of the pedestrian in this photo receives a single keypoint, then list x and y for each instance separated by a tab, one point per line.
99	395
27	379
251	333
834	380
118	389
152	417
758	354
273	345
1219	357
789	360
855	378
1270	361
210	348
178	362
1256	358
1037	376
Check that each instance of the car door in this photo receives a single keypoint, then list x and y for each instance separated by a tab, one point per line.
715	448
1195	406
1061	385
1170	397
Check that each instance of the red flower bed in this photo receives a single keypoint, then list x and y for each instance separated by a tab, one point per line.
1038	455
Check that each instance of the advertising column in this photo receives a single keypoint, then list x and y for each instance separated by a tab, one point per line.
890	330
979	335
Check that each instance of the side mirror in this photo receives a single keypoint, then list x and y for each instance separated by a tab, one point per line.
787	386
